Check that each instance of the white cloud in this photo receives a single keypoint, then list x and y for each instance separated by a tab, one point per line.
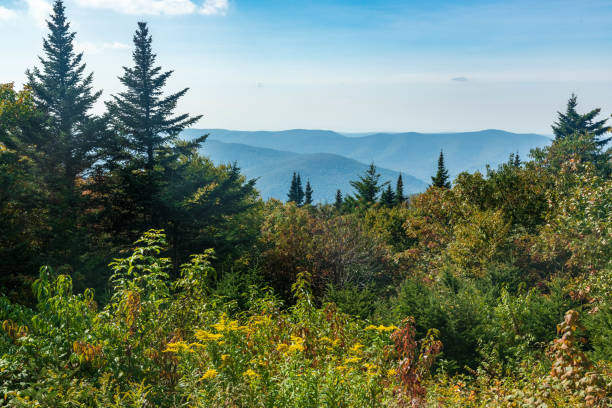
39	10
214	7
159	7
96	48
6	14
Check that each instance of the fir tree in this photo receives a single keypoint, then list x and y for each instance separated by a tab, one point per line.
367	187
144	115
144	118
308	193
571	123
292	197
517	160
339	200
73	137
387	198
441	178
63	92
300	191
399	190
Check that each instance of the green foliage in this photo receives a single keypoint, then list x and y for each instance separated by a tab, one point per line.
572	123
367	188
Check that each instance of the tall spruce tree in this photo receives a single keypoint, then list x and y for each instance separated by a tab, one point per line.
300	190
308	193
339	200
144	115
571	123
387	198
144	118
72	141
367	187
399	190
441	177
63	92
292	196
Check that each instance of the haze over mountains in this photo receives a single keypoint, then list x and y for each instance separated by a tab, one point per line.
330	160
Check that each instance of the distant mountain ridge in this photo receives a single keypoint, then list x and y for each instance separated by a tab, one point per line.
273	169
410	152
274	155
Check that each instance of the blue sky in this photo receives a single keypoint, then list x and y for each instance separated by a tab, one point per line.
358	66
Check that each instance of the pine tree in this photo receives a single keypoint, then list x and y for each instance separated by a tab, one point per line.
293	190
367	187
399	190
441	178
339	200
64	93
73	138
144	115
144	118
300	191
387	198
571	123
517	160
308	194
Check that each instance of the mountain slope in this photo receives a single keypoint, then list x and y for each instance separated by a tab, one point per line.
274	168
411	153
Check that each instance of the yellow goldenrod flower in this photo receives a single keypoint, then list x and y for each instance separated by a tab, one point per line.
204	335
356	349
224	357
352	360
209	374
251	374
295	347
391	372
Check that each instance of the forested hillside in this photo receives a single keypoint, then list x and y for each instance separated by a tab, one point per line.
138	273
273	168
410	153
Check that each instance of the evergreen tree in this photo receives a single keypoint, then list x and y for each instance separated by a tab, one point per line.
571	123
144	115
63	92
367	187
387	198
308	193
144	118
292	196
399	190
300	190
441	177
339	200
70	141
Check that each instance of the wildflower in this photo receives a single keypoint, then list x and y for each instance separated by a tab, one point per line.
356	349
282	347
251	374
204	335
177	347
391	372
352	360
295	347
224	357
209	374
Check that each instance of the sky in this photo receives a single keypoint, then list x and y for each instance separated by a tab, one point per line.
345	65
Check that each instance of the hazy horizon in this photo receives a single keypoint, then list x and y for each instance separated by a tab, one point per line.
387	65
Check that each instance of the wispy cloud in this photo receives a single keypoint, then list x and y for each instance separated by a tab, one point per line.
214	7
7	14
158	7
460	79
97	48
